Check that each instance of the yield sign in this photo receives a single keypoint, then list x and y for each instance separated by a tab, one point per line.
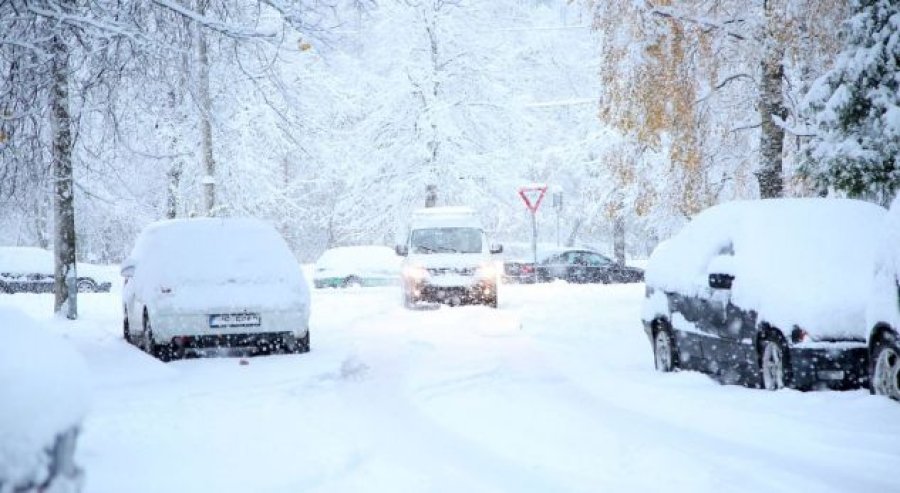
533	195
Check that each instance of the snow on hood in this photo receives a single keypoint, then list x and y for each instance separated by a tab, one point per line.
884	305
804	262
368	259
43	392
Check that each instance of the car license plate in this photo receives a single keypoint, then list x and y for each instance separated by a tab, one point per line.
234	320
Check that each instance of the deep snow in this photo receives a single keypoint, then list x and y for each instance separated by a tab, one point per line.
555	391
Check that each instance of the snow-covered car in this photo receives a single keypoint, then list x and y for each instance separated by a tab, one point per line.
448	259
768	293
30	270
194	284
43	399
883	312
367	265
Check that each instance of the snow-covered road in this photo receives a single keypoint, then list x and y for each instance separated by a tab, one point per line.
555	391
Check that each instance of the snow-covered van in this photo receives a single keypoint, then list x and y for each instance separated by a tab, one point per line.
883	312
448	259
768	293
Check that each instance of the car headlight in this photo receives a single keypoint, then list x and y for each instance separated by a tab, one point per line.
415	272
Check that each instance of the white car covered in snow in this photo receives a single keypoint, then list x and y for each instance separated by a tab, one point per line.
194	284
768	293
365	265
43	398
448	259
883	314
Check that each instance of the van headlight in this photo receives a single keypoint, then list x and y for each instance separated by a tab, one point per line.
415	272
488	271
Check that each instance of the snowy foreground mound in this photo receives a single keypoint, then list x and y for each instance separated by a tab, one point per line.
43	393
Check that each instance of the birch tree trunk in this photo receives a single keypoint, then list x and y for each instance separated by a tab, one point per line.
64	288
209	164
771	106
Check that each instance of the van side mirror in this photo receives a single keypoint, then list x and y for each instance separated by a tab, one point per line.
496	248
401	250
720	281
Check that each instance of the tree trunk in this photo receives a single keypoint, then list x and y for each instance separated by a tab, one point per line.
619	239
66	294
172	189
209	164
771	106
573	234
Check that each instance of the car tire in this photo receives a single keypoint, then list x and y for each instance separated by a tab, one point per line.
301	345
162	352
774	362
665	357
885	367
491	301
85	286
126	330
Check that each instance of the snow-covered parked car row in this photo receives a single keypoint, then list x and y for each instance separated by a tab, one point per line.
30	270
193	285
774	293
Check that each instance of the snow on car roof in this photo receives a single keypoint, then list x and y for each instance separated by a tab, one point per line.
804	262
213	249
43	391
451	216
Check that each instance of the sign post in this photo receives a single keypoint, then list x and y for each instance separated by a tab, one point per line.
532	195
557	205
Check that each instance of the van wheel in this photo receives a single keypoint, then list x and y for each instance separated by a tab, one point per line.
886	367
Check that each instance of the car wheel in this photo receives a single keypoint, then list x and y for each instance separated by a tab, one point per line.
160	351
773	364
491	301
85	286
301	345
664	350
886	367
352	282
126	330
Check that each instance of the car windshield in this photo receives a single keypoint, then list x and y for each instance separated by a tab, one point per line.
446	240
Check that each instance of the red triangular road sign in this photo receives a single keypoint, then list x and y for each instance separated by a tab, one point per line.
533	196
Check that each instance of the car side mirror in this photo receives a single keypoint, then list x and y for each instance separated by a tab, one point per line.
401	250
496	248
127	271
720	281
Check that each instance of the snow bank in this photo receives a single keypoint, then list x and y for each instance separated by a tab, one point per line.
804	262
43	392
884	307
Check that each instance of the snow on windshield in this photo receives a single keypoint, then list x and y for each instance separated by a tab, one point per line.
804	262
446	240
215	251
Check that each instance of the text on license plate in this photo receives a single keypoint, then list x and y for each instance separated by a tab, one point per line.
234	320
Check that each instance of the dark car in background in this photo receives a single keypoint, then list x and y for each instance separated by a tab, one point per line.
580	265
768	293
30	270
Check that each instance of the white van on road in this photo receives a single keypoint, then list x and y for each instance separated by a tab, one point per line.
448	259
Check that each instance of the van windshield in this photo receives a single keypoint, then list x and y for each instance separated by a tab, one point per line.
446	240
